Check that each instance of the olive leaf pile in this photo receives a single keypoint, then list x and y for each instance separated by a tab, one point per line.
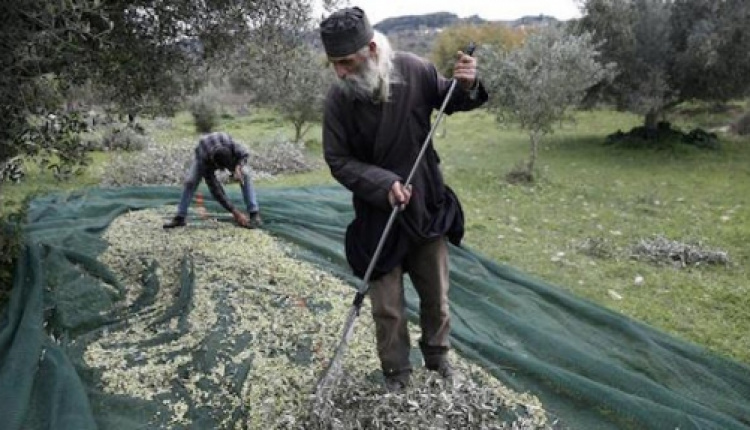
167	163
661	250
224	328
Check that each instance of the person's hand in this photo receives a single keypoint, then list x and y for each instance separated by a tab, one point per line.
241	218
465	70
399	195
238	174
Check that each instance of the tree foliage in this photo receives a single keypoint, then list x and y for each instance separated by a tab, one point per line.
536	85
712	41
671	51
293	83
456	38
140	55
299	94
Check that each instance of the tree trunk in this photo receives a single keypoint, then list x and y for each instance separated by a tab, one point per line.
650	123
298	131
535	137
301	128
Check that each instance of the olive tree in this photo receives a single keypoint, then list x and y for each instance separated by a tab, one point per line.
669	51
293	83
538	83
140	55
711	40
286	74
301	91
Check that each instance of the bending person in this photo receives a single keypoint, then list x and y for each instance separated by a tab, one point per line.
218	151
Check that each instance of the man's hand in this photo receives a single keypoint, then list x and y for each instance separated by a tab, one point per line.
240	218
465	70
399	195
238	174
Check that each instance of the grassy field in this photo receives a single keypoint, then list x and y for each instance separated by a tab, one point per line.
588	193
614	198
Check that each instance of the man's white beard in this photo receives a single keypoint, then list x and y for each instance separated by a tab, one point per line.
365	85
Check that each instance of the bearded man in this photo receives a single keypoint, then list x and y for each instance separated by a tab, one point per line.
377	116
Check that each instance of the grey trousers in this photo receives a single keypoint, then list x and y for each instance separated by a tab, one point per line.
427	266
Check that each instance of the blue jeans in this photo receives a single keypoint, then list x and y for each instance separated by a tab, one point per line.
194	178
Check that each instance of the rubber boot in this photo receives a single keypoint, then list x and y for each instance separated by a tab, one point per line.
255	220
178	221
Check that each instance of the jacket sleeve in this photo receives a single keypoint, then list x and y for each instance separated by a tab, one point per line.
461	99
367	181
217	191
241	154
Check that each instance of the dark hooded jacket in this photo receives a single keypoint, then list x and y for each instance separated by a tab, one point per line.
368	146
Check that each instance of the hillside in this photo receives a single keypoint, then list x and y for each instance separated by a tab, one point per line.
431	21
416	33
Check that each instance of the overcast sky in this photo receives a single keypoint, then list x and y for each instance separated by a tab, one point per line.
378	10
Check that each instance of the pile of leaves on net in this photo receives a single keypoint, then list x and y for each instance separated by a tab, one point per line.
248	338
466	402
661	250
167	164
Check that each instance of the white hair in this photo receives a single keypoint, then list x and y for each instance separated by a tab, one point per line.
377	74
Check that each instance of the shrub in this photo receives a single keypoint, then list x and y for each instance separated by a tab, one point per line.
205	110
280	156
156	165
205	116
124	139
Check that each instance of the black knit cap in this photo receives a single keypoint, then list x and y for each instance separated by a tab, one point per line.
345	32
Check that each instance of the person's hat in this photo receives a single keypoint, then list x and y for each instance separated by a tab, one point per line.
345	32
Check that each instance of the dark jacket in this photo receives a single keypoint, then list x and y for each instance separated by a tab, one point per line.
206	145
368	146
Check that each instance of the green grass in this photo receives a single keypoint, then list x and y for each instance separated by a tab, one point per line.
586	190
707	116
39	181
617	196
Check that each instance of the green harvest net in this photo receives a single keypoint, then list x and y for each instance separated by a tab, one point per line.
590	367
